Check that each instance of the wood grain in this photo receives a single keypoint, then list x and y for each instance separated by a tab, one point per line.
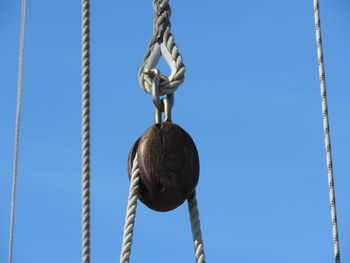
169	166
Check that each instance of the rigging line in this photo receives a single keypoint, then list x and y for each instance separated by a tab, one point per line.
18	121
327	139
85	131
196	229
130	213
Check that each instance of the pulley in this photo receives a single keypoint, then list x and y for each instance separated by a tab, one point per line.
169	166
163	164
167	159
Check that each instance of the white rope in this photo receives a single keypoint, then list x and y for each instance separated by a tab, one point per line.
326	132
162	36
196	229
18	122
85	131
130	213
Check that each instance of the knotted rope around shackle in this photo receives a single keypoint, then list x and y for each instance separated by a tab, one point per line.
162	36
131	214
327	139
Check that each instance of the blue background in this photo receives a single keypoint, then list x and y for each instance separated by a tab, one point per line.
250	101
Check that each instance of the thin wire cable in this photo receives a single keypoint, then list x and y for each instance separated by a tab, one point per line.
196	229
85	131
130	213
18	122
327	139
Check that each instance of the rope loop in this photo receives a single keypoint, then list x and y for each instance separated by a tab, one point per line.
162	44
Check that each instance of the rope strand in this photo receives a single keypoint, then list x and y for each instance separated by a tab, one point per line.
130	213
327	139
196	229
18	122
85	131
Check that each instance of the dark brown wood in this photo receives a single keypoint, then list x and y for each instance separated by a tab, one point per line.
169	166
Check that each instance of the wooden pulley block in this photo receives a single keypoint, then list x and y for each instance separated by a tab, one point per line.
169	166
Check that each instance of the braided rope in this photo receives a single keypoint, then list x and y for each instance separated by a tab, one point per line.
326	132
18	124
196	229
85	131
130	213
162	34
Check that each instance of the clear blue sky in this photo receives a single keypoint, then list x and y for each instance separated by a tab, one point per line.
250	101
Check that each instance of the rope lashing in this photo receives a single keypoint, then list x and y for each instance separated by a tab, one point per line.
162	43
327	139
131	214
85	131
18	124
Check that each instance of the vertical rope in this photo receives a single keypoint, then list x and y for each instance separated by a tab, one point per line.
196	229
327	139
130	213
18	122
85	131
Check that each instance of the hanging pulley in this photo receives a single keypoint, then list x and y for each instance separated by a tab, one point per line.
163	164
167	158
